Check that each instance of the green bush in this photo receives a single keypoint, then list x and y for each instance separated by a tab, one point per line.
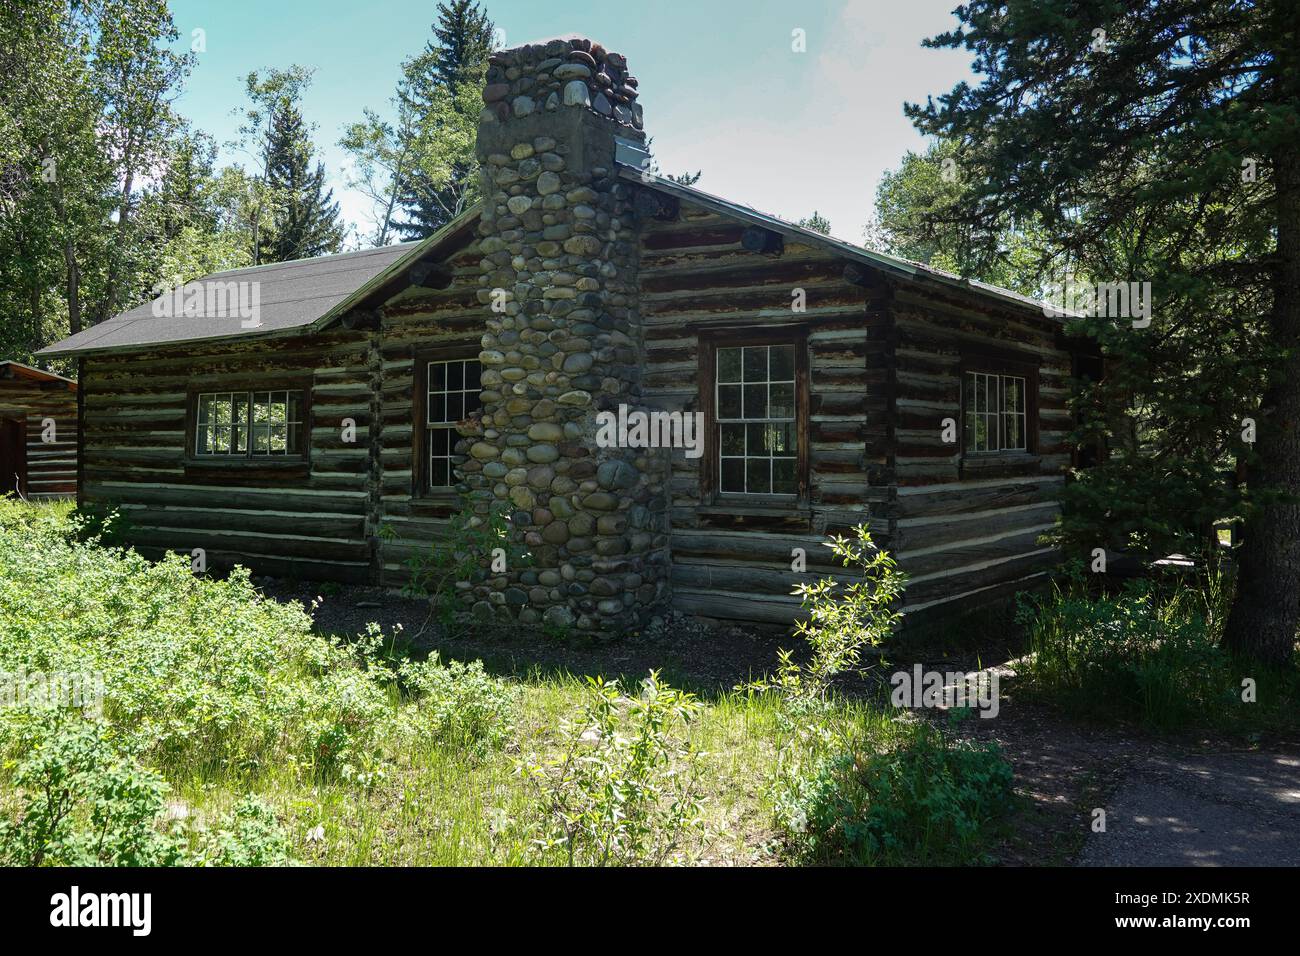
1150	652
458	704
85	804
252	836
202	675
841	620
926	801
624	790
195	679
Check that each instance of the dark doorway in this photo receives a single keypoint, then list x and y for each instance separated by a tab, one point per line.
13	456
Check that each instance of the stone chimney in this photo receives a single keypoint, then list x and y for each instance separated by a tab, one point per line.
558	283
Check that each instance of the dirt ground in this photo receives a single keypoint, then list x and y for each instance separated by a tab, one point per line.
1168	802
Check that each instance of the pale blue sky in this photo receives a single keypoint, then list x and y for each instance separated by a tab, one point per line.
722	89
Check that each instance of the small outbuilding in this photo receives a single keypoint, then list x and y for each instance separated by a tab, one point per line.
38	433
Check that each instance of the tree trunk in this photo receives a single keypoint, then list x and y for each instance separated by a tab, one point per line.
1264	618
74	287
108	307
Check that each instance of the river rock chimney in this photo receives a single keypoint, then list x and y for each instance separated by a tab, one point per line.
564	342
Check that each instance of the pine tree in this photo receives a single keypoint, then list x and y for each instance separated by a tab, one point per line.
439	90
305	219
1160	142
464	35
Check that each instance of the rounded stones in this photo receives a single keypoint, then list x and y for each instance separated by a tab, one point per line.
572	71
548	182
576	94
542	453
577	363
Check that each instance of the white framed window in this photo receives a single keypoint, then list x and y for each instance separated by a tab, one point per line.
996	412
452	392
758	432
249	424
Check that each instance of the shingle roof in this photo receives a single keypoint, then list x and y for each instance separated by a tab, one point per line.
290	295
310	293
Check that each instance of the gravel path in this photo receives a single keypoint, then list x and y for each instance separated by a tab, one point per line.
1212	809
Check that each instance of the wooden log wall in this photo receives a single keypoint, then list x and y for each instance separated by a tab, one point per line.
51	465
698	276
307	520
966	528
420	320
884	360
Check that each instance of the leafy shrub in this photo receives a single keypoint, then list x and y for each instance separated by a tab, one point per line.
458	704
841	621
624	790
83	803
205	675
925	801
460	559
85	806
1150	652
251	837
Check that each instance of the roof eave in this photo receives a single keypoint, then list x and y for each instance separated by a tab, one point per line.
885	263
381	280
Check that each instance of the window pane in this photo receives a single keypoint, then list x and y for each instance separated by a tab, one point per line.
733	439
782	401
438	443
439	473
455	406
758	476
729	401
755	439
783	477
782	363
756	363
473	372
729	365
755	400
781	438
1014	439
1014	391
455	376
437	376
437	407
733	474
203	441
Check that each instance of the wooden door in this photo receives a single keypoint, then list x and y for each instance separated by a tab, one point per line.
13	456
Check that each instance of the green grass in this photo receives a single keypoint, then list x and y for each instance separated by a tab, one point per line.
441	807
362	758
1150	654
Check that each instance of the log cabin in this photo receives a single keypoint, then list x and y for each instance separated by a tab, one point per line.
38	433
328	418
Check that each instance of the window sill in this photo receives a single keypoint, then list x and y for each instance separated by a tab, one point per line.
730	511
268	462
